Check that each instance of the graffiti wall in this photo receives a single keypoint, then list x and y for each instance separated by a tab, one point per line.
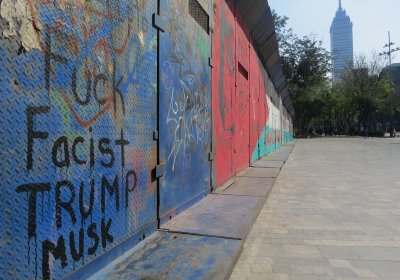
258	107
185	105
241	149
78	110
247	125
94	100
224	88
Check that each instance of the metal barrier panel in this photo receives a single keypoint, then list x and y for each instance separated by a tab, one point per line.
269	129
223	90
264	112
279	129
185	107
77	111
254	80
242	104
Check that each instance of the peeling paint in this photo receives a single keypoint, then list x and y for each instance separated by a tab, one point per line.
19	23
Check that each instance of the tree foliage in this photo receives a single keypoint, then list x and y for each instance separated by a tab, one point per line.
365	88
305	62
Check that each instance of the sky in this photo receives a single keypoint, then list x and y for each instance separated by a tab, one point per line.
372	19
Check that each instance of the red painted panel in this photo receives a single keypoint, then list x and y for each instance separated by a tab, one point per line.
239	88
242	130
255	76
223	88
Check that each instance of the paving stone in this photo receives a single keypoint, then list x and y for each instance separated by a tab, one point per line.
268	250
261	268
378	253
344	272
302	251
338	252
339	263
384	269
250	187
255	172
280	276
281	268
266	163
364	273
296	269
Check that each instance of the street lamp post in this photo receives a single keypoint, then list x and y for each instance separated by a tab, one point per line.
389	54
390	50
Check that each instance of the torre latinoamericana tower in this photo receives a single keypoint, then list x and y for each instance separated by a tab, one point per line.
341	42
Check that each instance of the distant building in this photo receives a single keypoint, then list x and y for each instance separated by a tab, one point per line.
341	42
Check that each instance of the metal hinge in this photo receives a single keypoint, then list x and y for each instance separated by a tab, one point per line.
155	135
160	170
210	62
211	156
159	23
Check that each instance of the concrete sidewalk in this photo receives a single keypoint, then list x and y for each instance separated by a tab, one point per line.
333	213
205	241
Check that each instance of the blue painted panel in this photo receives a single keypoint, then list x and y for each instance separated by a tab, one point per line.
77	111
185	108
225	216
175	256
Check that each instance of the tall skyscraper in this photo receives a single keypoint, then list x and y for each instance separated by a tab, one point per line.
341	42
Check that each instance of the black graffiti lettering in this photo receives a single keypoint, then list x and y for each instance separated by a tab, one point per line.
58	253
132	182
111	190
91	149
33	190
91	232
32	134
60	153
49	55
67	205
63	155
77	98
117	91
105	150
86	213
122	142
100	77
78	140
74	254
105	233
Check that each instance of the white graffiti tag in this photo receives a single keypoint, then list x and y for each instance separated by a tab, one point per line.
188	117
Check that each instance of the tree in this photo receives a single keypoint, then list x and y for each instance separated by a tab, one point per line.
366	88
306	65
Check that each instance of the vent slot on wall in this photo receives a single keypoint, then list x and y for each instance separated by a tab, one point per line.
243	71
199	14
